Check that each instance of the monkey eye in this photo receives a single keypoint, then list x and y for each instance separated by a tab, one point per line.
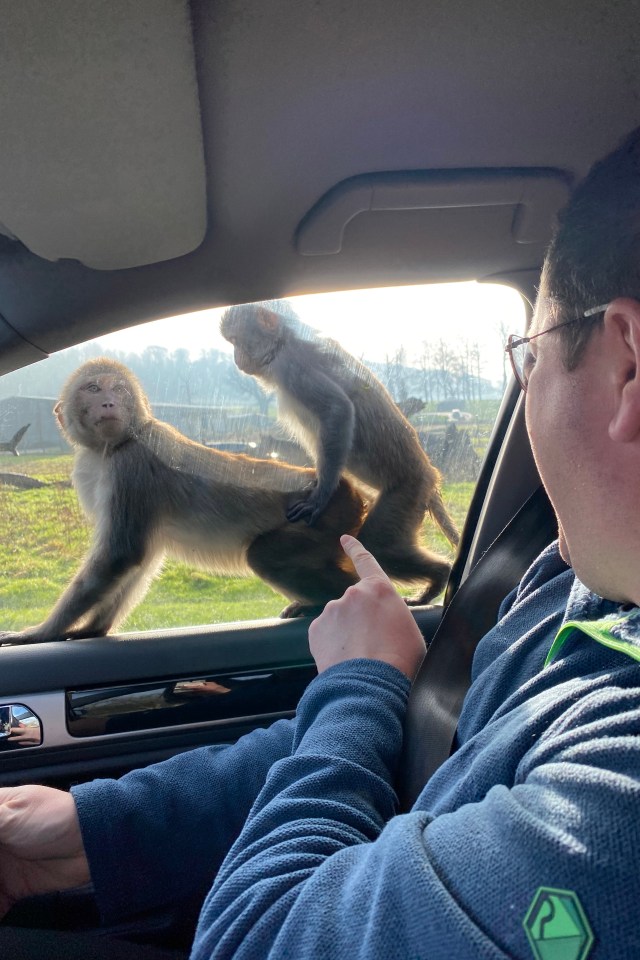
92	388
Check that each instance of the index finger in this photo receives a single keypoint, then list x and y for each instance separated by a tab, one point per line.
367	567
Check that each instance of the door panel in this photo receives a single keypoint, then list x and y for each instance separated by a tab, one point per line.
109	704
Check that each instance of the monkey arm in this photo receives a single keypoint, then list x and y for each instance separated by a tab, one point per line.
89	605
116	570
334	413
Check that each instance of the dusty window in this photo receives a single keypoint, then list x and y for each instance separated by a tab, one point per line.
438	350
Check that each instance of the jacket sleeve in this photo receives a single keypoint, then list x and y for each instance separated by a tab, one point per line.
157	836
316	873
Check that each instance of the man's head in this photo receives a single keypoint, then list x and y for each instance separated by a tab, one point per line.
583	398
595	253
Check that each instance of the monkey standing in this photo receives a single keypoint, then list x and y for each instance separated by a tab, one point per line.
345	418
150	491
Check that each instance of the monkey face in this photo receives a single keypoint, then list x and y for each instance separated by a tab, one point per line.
255	334
103	407
248	351
245	360
241	334
100	407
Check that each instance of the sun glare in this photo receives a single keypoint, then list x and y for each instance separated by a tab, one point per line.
372	324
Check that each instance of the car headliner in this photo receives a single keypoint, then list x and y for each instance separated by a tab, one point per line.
293	98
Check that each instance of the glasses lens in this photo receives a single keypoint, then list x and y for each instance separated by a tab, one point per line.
520	357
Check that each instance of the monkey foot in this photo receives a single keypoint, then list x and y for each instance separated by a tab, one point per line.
299	609
36	636
418	602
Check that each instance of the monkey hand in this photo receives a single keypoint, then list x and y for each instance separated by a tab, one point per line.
30	635
309	507
371	620
41	847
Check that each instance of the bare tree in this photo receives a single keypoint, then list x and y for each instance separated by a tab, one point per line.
444	370
396	375
426	371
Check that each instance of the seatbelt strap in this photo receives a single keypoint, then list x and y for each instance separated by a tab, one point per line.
440	687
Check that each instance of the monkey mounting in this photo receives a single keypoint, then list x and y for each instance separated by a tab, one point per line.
345	418
150	491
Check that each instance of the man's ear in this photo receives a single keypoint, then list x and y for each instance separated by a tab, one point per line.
622	337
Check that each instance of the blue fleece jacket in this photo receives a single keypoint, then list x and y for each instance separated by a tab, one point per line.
523	844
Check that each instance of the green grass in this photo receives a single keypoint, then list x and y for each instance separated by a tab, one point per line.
43	536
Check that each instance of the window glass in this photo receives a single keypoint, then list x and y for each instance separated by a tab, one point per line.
438	349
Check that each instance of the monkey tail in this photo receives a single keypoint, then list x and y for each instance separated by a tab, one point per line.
439	513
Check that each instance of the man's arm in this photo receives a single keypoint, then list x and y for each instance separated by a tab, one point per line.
150	839
333	796
316	873
158	835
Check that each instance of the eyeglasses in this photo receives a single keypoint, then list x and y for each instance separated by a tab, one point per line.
521	356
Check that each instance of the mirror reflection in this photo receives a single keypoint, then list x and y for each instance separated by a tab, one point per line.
19	727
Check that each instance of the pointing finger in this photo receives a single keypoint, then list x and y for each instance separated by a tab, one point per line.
367	567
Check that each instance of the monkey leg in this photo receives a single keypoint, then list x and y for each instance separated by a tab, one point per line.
391	532
308	564
307	568
101	594
117	603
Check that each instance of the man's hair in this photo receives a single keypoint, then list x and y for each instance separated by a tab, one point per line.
594	255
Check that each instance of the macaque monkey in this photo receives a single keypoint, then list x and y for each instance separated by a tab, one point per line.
346	419
150	491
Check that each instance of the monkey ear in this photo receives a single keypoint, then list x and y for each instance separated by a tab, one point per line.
57	412
268	320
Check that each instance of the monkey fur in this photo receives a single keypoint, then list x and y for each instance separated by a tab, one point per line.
345	418
150	492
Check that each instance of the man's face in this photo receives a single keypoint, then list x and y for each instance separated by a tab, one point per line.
567	414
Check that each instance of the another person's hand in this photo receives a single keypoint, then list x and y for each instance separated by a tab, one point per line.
371	620
41	847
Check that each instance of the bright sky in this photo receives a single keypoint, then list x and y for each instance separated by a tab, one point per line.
372	324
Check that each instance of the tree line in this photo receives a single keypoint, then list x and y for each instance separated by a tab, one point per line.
212	379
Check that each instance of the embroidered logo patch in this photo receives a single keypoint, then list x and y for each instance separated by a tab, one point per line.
557	927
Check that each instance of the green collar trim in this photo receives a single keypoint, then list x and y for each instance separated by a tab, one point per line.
598	630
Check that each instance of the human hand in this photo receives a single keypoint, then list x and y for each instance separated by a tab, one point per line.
24	734
41	847
371	620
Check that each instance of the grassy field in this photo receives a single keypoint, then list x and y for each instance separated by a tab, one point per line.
43	536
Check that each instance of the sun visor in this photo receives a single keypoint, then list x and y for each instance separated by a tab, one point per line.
101	156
